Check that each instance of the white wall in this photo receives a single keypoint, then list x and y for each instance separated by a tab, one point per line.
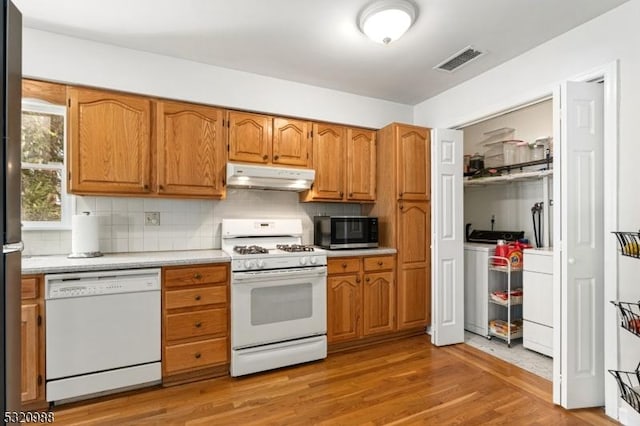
184	224
610	37
54	57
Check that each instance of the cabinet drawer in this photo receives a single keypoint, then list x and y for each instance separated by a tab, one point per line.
195	355
537	337
29	287
194	297
343	265
536	262
176	277
195	324
378	263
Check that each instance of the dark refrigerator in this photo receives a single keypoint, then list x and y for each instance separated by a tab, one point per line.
10	111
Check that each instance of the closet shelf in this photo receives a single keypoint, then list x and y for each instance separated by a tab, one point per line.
513	177
629	243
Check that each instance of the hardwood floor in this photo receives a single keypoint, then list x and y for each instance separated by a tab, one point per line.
402	382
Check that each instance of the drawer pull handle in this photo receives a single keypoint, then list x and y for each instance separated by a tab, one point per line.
276	157
198	324
197	355
197	275
367	279
265	157
358	279
344	265
379	262
197	297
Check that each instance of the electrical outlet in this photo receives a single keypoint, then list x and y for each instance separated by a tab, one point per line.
151	218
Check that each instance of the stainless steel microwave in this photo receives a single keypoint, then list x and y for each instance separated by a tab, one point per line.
345	232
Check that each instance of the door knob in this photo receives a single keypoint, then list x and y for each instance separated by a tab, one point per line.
571	261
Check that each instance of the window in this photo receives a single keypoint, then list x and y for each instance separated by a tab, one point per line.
45	203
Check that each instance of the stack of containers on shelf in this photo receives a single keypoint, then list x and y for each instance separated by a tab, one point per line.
629	381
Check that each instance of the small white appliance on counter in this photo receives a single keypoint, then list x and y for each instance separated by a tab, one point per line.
278	295
103	332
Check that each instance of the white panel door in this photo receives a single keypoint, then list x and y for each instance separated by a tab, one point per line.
581	256
447	253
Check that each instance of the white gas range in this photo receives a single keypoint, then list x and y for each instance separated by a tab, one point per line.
278	295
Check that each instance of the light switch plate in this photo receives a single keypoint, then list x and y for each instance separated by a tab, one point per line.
151	218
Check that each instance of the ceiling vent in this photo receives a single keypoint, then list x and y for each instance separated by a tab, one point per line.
458	59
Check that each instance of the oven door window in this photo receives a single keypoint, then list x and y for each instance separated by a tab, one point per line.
281	303
349	231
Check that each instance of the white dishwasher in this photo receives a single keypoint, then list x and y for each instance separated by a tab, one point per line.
103	332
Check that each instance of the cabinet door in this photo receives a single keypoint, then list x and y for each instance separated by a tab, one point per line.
344	304
190	150
109	142
291	146
414	159
328	161
414	264
361	165
379	303
249	137
30	351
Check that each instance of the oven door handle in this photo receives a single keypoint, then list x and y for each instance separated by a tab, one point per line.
262	276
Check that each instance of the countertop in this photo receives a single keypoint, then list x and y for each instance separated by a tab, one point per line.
545	251
361	252
110	261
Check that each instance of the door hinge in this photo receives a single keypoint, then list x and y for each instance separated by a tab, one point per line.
39	320
224	181
39	379
69	176
227	147
69	102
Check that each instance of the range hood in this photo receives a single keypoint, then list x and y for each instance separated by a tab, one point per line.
266	177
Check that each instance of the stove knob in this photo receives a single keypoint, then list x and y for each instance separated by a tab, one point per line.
303	260
313	260
249	264
260	264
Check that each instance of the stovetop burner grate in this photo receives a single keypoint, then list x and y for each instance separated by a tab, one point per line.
250	249
294	248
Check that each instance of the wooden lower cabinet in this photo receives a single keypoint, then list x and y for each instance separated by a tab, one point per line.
195	329
32	332
360	297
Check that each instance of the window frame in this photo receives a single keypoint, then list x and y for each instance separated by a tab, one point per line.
67	201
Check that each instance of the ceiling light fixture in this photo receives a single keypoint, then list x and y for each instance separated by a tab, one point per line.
385	21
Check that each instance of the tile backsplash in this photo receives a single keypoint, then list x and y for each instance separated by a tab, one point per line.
184	224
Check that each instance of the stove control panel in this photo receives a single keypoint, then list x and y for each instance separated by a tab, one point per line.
272	262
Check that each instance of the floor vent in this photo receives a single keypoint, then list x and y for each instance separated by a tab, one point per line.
460	58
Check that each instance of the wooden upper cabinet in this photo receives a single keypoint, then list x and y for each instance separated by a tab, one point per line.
414	154
328	161
50	92
291	145
249	137
109	142
361	165
190	149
